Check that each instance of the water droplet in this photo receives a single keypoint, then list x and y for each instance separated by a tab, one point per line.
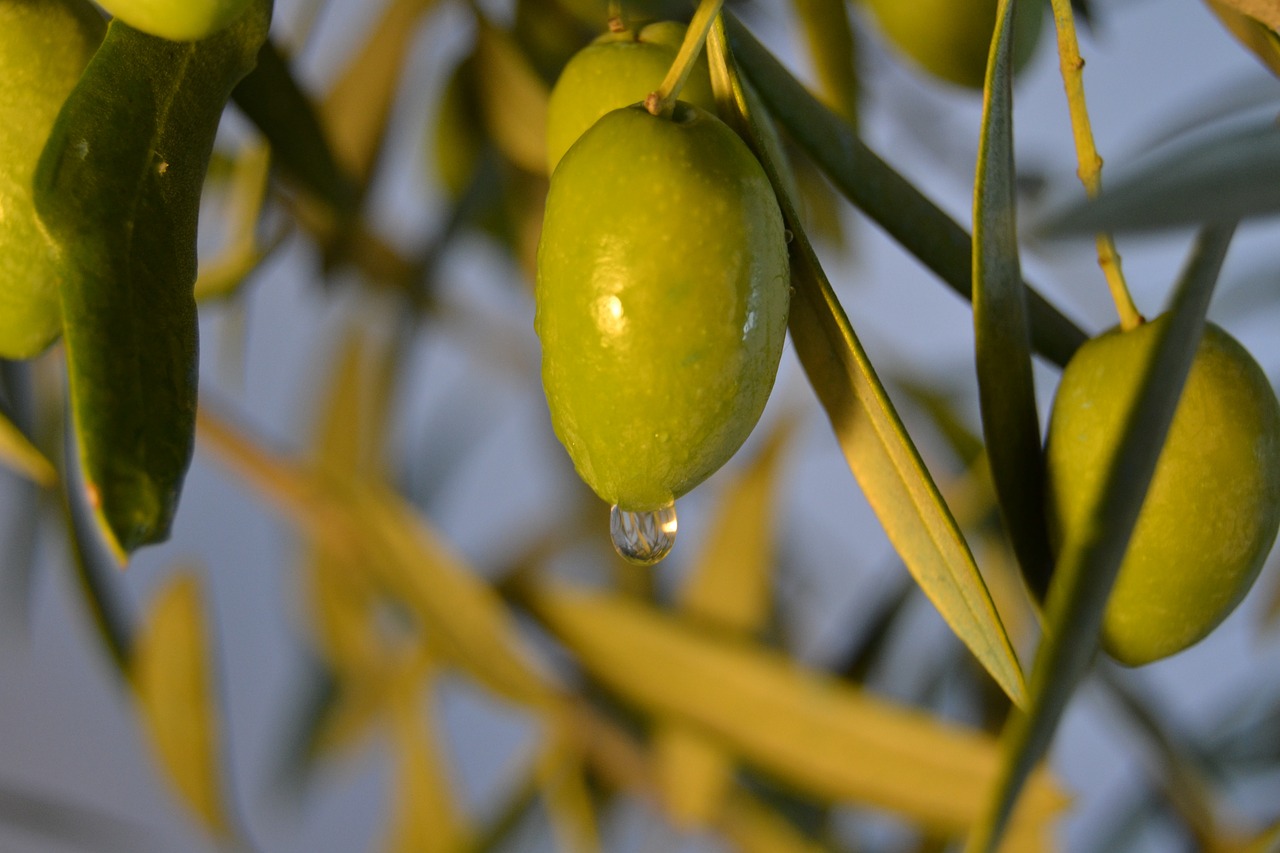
787	235
643	538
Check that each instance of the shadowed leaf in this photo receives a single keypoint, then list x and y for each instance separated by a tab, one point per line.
1087	565
1228	176
1006	388
118	191
881	193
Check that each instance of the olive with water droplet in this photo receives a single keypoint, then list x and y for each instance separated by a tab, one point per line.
662	298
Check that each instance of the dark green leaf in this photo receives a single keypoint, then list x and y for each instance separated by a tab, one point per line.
1087	565
272	99
118	191
880	192
1006	388
1219	179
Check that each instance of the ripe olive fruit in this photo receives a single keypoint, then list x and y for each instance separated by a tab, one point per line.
616	70
662	296
44	47
1213	508
176	20
952	38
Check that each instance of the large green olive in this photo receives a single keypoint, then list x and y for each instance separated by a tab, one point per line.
662	297
616	70
44	47
1213	508
952	38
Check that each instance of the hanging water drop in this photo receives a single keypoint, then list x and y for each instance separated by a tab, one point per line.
643	538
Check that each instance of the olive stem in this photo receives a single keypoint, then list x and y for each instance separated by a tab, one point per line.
616	22
1090	163
663	101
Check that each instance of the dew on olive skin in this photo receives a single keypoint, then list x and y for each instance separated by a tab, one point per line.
645	537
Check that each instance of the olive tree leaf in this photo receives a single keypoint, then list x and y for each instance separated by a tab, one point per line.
876	444
171	671
833	51
118	190
1266	11
513	98
356	110
1087	565
1250	32
1218	179
1006	386
874	187
277	105
21	456
822	736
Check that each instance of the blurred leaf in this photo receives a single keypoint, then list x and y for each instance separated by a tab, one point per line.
729	589
118	190
563	784
286	116
832	49
1267	841
457	135
424	816
357	109
249	177
753	828
880	452
1266	11
172	675
1006	387
513	99
72	825
884	195
810	731
1219	179
1250	32
1087	565
18	454
374	531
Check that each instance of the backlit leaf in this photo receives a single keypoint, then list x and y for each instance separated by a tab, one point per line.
18	454
1250	32
172	676
1266	11
808	730
880	452
118	191
513	99
832	49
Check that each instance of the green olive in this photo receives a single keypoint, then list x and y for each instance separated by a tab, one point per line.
616	70
952	38
662	297
1213	508
44	47
176	20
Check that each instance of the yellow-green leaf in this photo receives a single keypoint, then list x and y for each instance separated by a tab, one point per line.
172	675
358	107
832	49
18	454
424	817
1250	32
877	447
513	99
824	737
369	527
1265	11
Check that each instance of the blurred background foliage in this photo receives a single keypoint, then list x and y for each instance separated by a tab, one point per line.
389	617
